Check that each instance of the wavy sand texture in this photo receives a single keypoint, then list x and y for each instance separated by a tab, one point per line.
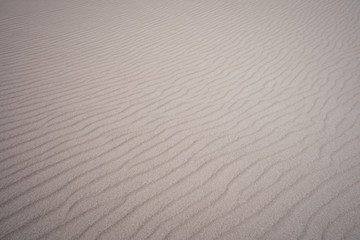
159	119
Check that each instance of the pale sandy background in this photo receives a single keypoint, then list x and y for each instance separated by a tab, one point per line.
155	119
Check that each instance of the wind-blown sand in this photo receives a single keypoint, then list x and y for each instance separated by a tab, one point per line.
134	119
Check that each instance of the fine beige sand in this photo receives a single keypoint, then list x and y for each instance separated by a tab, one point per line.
164	119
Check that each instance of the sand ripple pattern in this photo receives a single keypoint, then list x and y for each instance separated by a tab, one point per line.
134	119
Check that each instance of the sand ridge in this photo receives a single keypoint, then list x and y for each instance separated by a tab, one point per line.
180	119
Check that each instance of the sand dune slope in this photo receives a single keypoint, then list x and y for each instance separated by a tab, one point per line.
134	119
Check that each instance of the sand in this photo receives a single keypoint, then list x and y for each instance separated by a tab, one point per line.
134	119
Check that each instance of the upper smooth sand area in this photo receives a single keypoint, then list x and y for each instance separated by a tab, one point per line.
187	119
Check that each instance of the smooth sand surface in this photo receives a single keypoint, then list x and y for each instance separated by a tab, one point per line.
159	119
